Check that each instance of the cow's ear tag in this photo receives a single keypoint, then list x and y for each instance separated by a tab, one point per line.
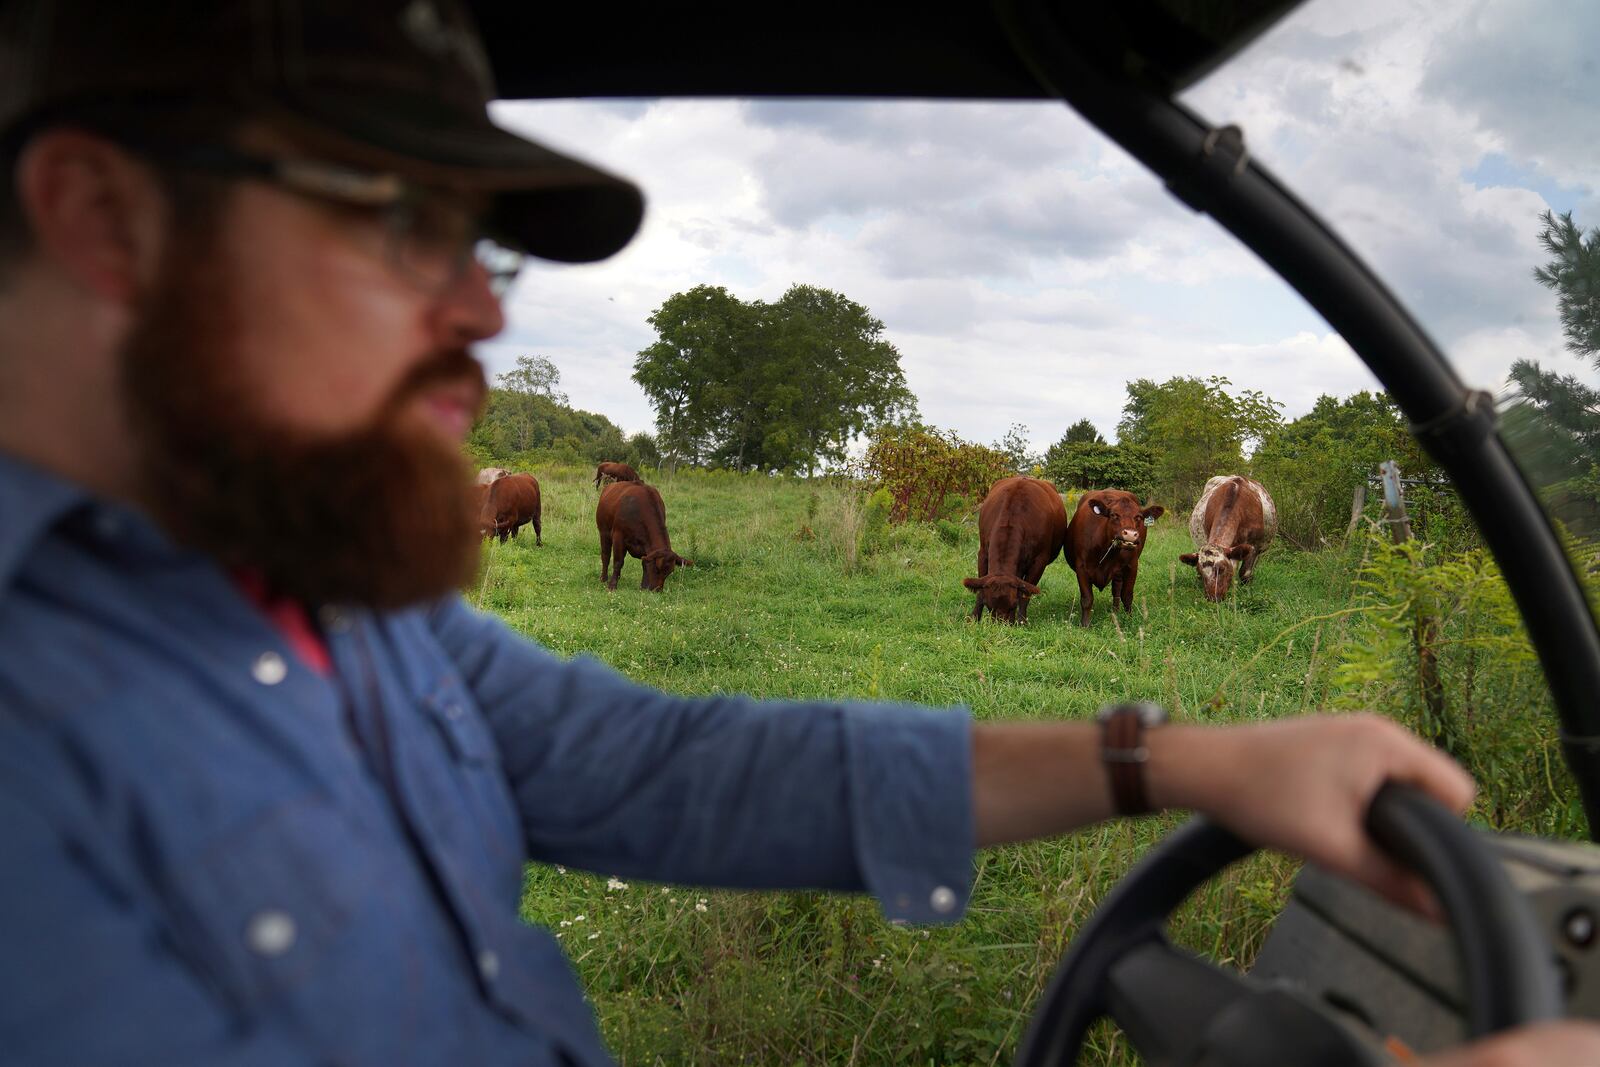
1097	509
1149	520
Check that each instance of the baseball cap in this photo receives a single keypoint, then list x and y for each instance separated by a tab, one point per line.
400	86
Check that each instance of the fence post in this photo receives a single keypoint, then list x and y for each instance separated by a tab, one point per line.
1394	503
1425	629
1358	503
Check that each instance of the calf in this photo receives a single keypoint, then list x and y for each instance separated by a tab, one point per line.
509	503
632	521
1021	527
616	472
489	475
1233	522
1104	542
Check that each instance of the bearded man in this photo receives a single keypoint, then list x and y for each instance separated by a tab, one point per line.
267	786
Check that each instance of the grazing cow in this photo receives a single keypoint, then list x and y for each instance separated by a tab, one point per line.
632	521
508	504
1104	542
616	472
1021	527
1234	522
489	475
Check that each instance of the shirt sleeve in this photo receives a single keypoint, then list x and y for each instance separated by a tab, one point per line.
89	975
620	778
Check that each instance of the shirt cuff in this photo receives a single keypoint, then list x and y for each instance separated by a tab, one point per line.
910	773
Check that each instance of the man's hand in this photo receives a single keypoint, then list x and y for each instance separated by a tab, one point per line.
1300	785
1566	1043
1304	785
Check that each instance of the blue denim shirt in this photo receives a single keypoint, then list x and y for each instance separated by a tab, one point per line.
202	865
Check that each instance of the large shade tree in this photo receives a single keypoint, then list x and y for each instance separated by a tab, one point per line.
784	386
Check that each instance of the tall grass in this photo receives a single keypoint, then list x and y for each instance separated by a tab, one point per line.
790	597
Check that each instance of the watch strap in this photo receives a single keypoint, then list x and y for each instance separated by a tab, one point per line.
1124	753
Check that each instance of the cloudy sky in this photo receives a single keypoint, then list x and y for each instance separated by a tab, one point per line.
1026	268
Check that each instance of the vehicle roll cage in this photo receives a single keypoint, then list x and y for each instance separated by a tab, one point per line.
1209	169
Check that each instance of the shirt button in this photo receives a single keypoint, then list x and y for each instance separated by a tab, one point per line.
270	933
488	964
943	900
107	524
269	668
453	711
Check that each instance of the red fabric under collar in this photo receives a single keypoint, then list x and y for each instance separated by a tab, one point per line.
290	617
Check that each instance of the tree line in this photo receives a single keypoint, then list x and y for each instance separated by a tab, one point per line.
791	385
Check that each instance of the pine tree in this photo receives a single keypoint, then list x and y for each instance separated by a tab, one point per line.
1574	273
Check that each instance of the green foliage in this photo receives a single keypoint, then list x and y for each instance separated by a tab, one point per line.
1082	432
1313	465
1483	698
1574	273
1195	428
781	386
880	508
526	423
534	376
1093	464
1553	426
922	468
1015	446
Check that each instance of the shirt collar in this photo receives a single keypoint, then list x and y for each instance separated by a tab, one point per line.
31	502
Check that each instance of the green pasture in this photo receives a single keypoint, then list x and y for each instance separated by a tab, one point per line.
795	593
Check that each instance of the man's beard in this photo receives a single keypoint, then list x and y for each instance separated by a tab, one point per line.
383	516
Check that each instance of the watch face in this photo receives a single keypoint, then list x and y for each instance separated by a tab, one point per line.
1150	713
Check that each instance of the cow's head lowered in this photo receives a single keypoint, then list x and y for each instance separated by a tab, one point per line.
1120	520
659	564
1002	594
1214	564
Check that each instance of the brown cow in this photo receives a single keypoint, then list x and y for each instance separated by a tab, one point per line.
1233	522
632	521
489	475
1021	527
508	504
1104	542
616	472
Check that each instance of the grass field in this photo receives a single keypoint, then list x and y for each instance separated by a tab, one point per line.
784	602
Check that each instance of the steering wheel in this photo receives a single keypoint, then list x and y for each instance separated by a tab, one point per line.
1178	1009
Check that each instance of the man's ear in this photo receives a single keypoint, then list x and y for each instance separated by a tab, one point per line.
1191	558
95	211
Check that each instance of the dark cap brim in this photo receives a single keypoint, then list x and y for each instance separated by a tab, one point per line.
547	204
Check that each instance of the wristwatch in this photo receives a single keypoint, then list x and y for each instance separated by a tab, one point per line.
1123	751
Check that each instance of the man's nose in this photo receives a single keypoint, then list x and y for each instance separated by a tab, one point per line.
467	309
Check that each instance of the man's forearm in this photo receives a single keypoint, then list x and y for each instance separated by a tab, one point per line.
1039	779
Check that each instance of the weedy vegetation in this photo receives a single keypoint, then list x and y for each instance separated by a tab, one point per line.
805	589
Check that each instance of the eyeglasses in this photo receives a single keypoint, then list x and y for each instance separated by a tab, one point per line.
431	239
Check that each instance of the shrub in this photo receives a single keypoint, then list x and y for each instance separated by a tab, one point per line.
923	469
